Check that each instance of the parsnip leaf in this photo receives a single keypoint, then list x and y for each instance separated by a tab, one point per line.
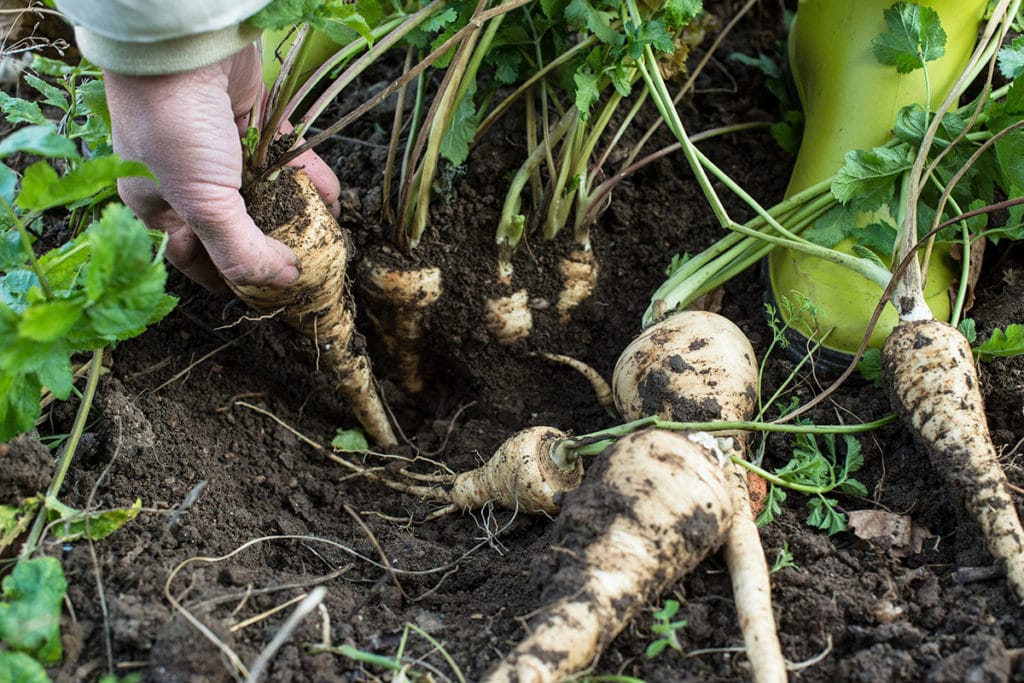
33	594
70	524
582	14
1011	58
18	667
915	36
1003	343
867	180
42	188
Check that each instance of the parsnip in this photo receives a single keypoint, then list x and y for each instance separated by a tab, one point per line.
698	366
403	299
509	318
651	509
527	473
318	304
579	271
933	385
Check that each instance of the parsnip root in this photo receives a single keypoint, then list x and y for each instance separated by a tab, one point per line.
652	508
579	271
698	366
403	299
933	385
526	474
318	304
509	318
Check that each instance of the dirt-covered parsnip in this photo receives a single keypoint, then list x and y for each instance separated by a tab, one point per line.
697	366
529	473
318	304
933	385
403	298
579	271
509	318
655	504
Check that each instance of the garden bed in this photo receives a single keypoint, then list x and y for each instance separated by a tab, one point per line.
177	428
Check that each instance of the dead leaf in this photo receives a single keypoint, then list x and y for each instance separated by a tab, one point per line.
895	534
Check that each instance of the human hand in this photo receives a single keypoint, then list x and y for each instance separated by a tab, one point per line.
186	127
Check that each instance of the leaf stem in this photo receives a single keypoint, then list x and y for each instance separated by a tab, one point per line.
68	454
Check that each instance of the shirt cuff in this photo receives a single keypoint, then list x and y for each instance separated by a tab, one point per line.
165	56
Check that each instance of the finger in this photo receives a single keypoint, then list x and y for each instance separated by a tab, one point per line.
184	250
326	183
239	249
324	180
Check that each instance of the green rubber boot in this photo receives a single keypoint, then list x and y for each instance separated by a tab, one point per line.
850	101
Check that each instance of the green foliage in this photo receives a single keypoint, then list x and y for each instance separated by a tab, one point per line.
336	19
783	560
1002	343
789	129
867	179
817	472
73	525
105	285
350	440
1011	58
914	37
18	667
33	594
666	630
870	366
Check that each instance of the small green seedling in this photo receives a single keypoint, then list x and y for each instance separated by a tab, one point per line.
666	630
783	559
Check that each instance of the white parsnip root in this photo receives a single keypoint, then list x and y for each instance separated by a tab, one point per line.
509	318
933	385
403	298
318	304
651	509
579	273
698	366
528	473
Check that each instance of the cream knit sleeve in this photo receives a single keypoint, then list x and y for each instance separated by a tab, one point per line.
148	37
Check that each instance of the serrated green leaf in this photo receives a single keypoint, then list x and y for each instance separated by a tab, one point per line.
18	667
17	110
459	133
19	403
52	95
870	365
968	329
867	180
1003	343
1011	58
655	648
879	237
49	320
587	90
30	612
679	13
912	123
8	184
41	140
1009	149
73	525
352	440
582	14
42	188
915	36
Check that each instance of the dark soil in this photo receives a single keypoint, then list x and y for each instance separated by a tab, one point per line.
241	514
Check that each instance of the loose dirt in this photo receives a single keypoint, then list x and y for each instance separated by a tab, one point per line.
242	515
